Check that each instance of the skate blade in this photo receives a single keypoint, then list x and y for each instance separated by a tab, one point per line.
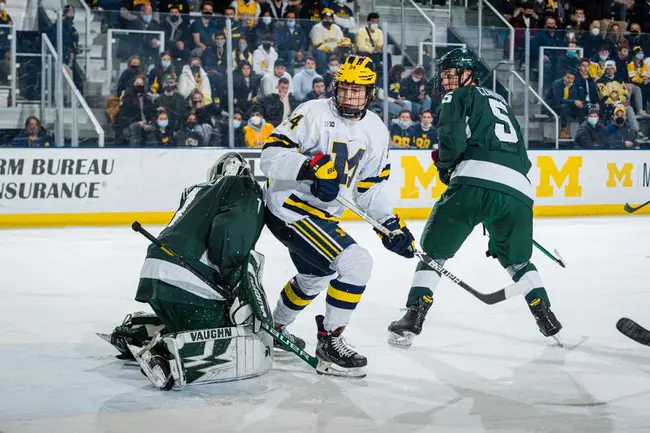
558	339
105	337
402	341
156	377
331	369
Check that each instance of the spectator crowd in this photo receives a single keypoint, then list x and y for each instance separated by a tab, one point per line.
595	73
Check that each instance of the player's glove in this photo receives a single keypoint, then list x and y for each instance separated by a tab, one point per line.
403	242
443	173
324	176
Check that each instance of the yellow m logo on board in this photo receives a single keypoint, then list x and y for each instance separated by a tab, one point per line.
569	173
413	171
616	176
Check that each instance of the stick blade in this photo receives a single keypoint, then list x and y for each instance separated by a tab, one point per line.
633	330
627	208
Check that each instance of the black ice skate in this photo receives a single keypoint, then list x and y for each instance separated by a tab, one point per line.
336	356
548	324
294	339
402	332
154	363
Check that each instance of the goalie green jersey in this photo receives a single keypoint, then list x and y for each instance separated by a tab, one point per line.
480	141
214	230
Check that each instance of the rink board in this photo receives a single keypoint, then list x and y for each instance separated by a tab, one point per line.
55	187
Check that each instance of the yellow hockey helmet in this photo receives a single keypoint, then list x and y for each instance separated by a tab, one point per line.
355	70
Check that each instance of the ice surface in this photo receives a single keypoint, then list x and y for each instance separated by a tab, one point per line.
475	368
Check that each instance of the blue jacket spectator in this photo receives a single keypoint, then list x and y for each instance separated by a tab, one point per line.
400	131
34	135
592	40
203	30
619	132
262	31
70	35
586	83
290	42
591	134
133	69
567	100
549	37
424	135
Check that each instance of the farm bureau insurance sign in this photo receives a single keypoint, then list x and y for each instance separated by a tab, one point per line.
91	181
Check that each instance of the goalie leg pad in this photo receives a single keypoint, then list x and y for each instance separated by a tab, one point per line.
218	355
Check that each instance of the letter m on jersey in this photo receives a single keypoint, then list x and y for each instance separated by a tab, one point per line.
345	165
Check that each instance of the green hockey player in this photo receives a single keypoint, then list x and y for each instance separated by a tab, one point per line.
197	335
482	158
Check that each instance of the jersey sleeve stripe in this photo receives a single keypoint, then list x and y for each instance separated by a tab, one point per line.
280	140
365	184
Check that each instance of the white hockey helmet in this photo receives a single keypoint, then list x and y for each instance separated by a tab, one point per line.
230	164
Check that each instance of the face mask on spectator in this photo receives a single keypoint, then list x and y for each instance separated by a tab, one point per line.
404	123
593	121
256	120
243	46
416	79
639	56
236	123
619	120
138	88
266	20
220	42
266	46
327	24
195	67
333	69
206	15
603	56
571	36
572	53
2	6
168	88
191	124
291	24
595	31
165	63
174	18
163	123
147	18
374	26
581	19
135	68
309	71
32	130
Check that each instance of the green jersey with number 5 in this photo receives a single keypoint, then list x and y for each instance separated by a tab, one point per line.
481	142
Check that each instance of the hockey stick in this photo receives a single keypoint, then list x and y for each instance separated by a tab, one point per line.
633	330
629	209
268	328
510	291
560	261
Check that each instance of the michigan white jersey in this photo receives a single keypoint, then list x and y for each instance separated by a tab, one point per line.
360	151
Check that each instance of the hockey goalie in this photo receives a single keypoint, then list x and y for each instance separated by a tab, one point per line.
197	335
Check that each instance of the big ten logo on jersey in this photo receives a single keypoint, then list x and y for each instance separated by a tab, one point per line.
420	175
564	175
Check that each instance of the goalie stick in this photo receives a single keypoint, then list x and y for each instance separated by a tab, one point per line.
266	326
629	209
633	330
507	292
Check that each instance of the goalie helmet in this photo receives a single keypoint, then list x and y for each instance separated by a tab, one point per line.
355	72
230	164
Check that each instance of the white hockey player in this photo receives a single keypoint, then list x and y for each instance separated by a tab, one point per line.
325	148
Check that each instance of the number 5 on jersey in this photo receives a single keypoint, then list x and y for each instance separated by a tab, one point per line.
500	111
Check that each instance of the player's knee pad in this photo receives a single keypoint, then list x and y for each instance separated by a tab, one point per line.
215	355
354	265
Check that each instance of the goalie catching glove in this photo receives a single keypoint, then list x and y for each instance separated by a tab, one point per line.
402	242
324	176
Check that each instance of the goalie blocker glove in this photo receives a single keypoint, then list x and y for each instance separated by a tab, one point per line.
402	242
324	176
